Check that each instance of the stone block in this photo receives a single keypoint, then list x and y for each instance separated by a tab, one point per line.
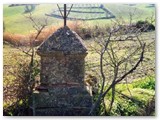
63	97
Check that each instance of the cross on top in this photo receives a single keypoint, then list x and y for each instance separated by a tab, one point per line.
65	14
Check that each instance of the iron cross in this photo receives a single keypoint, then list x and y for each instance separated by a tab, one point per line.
65	14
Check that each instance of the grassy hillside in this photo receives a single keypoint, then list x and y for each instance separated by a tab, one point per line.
16	22
140	11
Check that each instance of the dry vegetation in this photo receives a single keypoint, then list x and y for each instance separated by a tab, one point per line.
26	40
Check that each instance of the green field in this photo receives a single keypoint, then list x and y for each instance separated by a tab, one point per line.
142	11
16	22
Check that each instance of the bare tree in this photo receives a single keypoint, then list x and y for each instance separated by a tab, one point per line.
121	51
39	26
24	81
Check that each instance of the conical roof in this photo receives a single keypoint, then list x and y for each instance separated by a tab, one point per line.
63	40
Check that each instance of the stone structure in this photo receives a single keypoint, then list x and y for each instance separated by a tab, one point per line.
62	90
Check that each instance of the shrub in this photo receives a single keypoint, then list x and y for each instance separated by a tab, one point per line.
145	26
83	30
17	93
145	83
15	39
77	26
27	40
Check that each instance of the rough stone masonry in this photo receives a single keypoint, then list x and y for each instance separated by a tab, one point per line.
62	90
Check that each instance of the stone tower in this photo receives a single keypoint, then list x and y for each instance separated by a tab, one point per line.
62	90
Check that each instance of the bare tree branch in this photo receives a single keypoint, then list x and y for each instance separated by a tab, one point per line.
126	74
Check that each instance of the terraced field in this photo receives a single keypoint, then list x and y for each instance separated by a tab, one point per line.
84	12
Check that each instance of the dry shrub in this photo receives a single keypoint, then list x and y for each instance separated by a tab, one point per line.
27	40
16	95
43	35
16	39
79	27
74	25
82	29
